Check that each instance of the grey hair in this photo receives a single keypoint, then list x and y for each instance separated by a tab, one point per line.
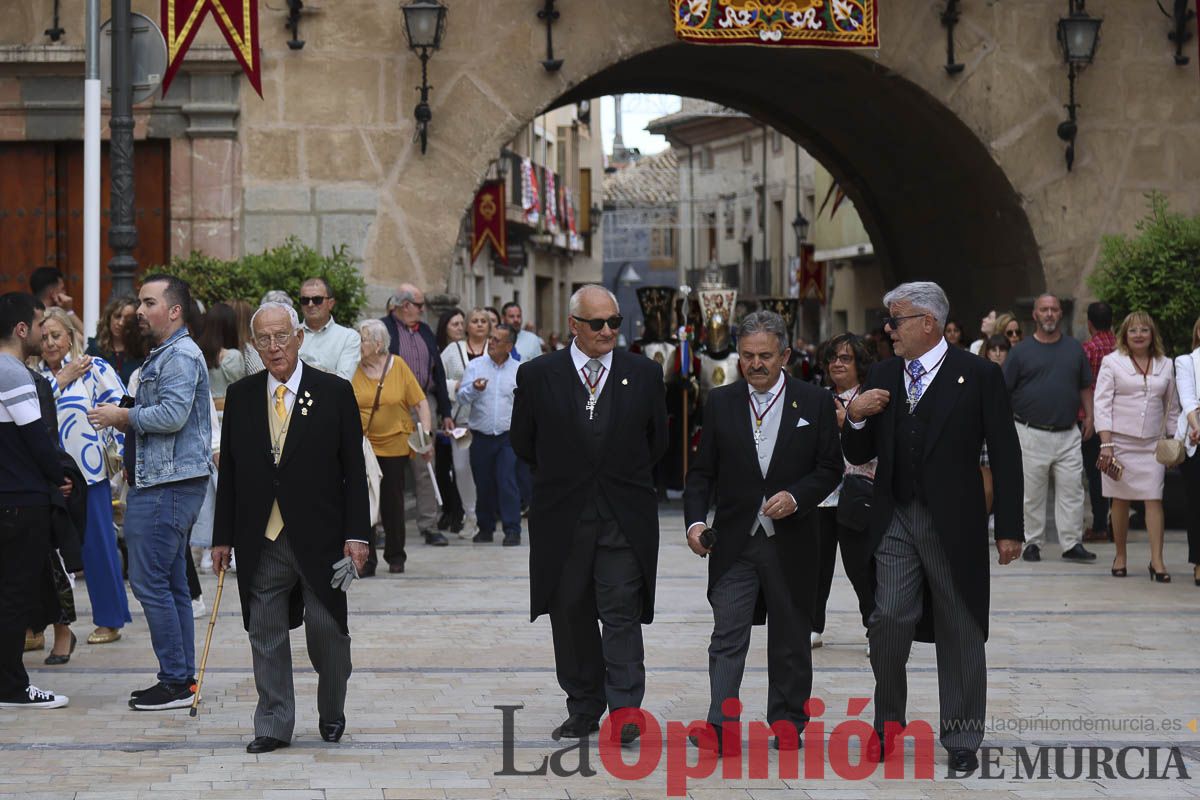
271	305
577	298
923	295
765	322
277	296
400	298
373	330
512	331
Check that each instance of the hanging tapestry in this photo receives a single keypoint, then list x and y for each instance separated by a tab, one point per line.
551	203
531	204
797	23
238	21
487	221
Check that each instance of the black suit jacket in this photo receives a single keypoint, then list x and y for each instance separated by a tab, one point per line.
548	433
807	462
437	372
970	406
321	483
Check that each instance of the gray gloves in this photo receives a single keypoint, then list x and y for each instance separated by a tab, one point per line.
344	574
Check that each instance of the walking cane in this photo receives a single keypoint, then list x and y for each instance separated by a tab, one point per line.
212	621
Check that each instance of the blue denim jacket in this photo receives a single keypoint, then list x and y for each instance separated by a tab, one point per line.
171	416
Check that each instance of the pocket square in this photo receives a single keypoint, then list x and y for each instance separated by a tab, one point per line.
800	423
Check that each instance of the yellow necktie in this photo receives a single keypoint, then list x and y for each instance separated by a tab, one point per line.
280	406
275	522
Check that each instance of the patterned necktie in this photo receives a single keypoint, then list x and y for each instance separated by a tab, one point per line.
915	370
763	400
593	370
280	406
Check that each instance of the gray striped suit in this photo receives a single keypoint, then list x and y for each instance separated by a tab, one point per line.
270	642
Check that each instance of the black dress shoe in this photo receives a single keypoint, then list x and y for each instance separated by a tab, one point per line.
1079	553
332	731
434	538
511	540
481	537
456	523
576	726
695	740
443	522
395	569
962	760
630	733
1032	553
265	744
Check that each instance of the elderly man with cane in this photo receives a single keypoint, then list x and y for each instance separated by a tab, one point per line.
292	498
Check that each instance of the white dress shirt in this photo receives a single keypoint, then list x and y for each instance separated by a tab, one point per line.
931	360
491	409
334	348
581	358
293	386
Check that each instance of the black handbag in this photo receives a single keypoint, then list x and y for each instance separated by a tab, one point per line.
854	502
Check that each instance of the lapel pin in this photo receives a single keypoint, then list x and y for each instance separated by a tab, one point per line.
304	412
625	381
960	379
306	394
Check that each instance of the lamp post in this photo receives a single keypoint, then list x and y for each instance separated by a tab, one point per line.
424	26
800	226
122	231
1078	37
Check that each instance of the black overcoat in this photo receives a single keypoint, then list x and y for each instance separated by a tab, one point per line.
806	461
548	433
970	407
321	483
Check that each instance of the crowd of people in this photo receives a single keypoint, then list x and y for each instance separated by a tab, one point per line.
289	440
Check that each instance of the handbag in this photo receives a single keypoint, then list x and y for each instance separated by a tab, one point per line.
854	502
1169	451
374	472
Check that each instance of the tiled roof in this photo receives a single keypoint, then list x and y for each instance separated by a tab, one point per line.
653	181
691	111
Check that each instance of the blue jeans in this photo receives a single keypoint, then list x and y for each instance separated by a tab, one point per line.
494	465
158	520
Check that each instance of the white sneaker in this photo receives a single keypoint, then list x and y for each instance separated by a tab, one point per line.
206	561
814	639
198	608
470	528
37	698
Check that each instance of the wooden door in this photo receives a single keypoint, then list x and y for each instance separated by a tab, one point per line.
41	212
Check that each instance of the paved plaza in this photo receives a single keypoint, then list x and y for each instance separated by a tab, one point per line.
1090	659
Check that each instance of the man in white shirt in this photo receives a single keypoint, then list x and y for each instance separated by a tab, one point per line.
327	346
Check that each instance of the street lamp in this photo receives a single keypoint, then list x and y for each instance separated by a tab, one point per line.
424	26
800	226
1078	37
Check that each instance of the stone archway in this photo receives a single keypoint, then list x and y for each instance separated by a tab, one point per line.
997	213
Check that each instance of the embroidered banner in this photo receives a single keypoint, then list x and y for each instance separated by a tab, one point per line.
797	23
812	276
238	21
488	222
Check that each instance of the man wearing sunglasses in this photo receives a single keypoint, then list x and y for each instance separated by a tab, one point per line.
328	346
592	422
413	341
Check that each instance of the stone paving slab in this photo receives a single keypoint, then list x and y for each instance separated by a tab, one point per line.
1077	659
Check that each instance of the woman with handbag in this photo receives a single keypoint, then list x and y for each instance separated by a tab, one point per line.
388	394
1187	432
1135	404
81	383
843	517
455	357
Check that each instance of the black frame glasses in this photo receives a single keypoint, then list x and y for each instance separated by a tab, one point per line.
314	301
614	322
894	322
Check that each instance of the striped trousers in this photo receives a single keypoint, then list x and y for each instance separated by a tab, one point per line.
270	643
910	555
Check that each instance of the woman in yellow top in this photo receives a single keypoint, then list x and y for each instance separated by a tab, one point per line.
388	397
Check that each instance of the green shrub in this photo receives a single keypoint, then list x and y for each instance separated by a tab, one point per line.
1157	270
285	267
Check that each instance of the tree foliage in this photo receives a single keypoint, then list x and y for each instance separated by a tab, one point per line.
1157	270
285	267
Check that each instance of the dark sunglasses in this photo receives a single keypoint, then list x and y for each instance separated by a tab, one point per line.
415	303
1013	334
614	322
894	322
313	301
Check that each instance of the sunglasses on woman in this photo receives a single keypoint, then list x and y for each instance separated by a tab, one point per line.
613	322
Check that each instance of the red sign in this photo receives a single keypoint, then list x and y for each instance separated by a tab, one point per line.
238	21
488	221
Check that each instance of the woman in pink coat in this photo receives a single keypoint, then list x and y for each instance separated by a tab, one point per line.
1135	393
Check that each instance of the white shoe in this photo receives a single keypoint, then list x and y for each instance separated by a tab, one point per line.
470	528
37	698
814	639
206	561
868	648
198	609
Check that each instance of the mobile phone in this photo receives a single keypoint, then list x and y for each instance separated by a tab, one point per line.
126	402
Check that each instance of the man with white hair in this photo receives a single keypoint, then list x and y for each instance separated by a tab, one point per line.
592	422
926	415
292	498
